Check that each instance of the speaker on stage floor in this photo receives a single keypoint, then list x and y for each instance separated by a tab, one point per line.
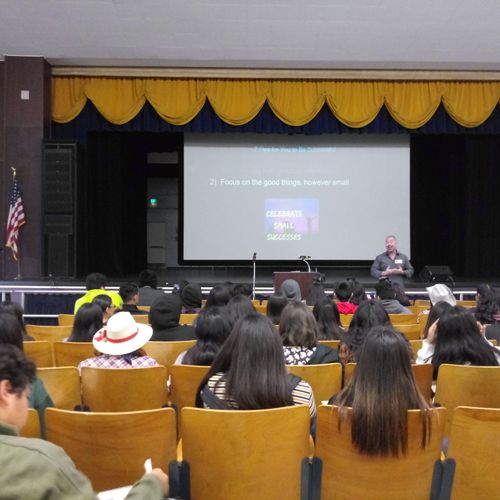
437	274
59	195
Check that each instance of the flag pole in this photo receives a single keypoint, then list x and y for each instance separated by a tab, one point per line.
18	277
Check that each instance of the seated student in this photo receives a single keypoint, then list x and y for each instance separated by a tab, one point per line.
368	315
39	399
17	310
106	305
249	372
212	329
148	291
316	293
219	296
434	314
191	297
164	318
120	343
386	294
327	317
358	291
487	311
456	338
87	321
299	334
381	391
129	292
33	468
237	307
343	296
291	290
96	284
275	305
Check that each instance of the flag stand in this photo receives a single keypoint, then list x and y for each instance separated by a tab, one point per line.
16	254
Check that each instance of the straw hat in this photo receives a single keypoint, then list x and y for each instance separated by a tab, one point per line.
121	335
441	293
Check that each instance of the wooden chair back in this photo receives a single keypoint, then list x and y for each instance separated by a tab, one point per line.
165	353
411	332
467	303
187	319
325	380
72	353
40	352
423	303
472	448
131	389
416	345
459	385
418	309
65	319
245	454
110	448
32	427
50	333
334	344
347	474
184	382
422	373
144	308
261	308
403	319
63	385
142	318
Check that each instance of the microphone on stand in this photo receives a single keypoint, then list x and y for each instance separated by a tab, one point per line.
304	259
254	259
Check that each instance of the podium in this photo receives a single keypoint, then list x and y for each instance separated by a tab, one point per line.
304	279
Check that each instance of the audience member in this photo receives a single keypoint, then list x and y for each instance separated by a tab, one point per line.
486	311
369	314
327	317
34	468
148	291
343	294
291	290
456	338
120	343
241	289
191	297
129	292
237	307
275	305
249	372
316	292
18	311
299	333
212	329
106	305
492	332
164	317
381	391
96	284
387	296
219	296
88	320
39	399
434	314
358	291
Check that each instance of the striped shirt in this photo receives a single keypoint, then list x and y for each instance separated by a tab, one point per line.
301	394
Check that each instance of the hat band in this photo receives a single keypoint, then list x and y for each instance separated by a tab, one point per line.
104	336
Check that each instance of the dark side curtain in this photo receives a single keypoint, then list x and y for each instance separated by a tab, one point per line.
455	203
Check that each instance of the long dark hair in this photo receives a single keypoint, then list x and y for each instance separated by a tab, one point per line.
88	320
237	307
327	316
253	366
368	315
275	305
17	310
219	296
459	341
434	314
298	326
380	392
212	330
487	306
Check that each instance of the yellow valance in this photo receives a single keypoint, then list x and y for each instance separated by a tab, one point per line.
295	102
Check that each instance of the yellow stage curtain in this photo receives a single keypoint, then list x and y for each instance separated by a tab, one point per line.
295	102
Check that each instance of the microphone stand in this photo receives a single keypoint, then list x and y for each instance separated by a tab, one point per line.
304	258
254	258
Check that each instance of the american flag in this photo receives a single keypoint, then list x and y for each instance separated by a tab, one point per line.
15	219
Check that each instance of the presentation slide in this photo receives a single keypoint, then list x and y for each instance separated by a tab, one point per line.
328	197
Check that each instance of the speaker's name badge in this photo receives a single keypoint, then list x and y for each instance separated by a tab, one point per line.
398	261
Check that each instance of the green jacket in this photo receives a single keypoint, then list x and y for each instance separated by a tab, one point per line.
32	469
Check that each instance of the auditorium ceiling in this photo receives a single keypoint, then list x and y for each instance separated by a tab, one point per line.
297	34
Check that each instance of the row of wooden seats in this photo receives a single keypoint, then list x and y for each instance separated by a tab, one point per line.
240	454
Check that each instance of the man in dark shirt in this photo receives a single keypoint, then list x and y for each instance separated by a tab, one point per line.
129	292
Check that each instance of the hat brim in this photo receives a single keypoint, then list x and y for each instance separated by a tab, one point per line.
144	334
